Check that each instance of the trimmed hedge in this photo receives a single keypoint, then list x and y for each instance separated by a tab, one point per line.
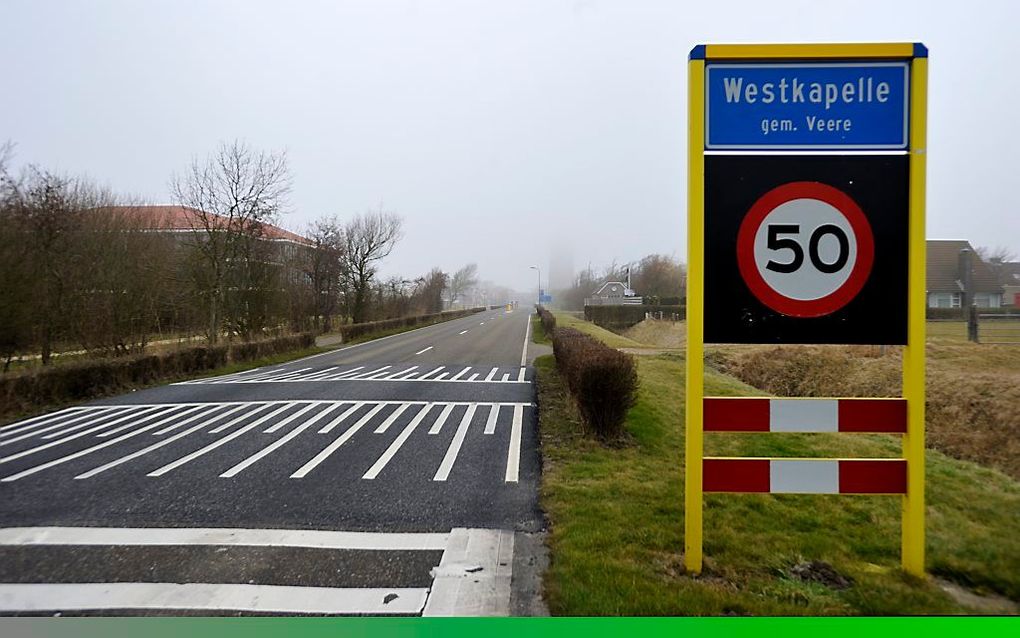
355	330
602	380
92	379
622	317
548	321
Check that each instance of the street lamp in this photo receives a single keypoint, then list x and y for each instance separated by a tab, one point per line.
539	282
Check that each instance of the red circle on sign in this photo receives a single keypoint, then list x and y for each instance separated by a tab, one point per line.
805	308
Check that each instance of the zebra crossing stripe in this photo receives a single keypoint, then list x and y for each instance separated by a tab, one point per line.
83	417
42	417
443	472
443	416
326	429
397	443
272	447
391	418
490	424
215	444
513	454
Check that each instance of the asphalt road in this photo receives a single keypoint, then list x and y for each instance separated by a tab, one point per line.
427	437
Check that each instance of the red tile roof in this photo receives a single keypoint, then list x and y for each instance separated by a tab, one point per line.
180	218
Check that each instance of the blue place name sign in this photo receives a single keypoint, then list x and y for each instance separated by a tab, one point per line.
807	106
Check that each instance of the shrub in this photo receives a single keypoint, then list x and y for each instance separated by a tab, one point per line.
355	330
548	321
621	317
603	381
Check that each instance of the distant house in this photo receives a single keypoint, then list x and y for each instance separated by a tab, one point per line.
1009	277
953	268
613	293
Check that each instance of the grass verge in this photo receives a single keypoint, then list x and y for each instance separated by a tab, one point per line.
616	517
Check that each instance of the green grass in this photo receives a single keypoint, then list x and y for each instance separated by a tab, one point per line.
538	334
616	517
611	339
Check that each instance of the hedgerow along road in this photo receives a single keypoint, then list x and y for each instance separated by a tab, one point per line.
388	477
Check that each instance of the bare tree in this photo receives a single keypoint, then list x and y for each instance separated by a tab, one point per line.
232	195
368	239
324	268
462	282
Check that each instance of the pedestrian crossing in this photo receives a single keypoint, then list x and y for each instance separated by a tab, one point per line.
431	374
462	572
157	440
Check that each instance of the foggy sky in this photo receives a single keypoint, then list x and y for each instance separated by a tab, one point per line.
493	128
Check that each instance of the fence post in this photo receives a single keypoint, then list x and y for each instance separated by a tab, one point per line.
972	324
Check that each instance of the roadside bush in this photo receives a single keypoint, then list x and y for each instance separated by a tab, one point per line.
355	330
548	320
603	381
92	379
621	317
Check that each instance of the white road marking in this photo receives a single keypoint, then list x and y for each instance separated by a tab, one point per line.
524	351
460	374
320	374
272	447
279	424
120	419
482	323
335	377
429	374
443	416
41	417
506	377
326	429
402	372
209	597
46	424
229	424
443	472
335	445
473	577
492	373
286	374
213	419
215	444
520	375
473	377
441	377
490	425
223	536
462	332
176	415
368	375
75	455
46	446
424	351
84	417
391	418
397	443
513	455
142	452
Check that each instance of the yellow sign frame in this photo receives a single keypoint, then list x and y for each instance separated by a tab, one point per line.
913	526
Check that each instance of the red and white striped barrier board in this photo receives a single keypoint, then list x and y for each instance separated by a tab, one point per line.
805	476
728	414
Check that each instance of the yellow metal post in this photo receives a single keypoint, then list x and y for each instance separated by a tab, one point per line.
693	449
913	354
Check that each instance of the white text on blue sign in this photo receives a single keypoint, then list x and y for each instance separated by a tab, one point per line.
807	106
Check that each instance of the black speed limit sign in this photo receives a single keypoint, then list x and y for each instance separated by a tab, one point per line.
805	249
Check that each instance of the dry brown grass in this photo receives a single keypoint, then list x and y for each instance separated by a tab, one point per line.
973	403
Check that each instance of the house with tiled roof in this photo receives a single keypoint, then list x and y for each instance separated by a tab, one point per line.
182	219
955	270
